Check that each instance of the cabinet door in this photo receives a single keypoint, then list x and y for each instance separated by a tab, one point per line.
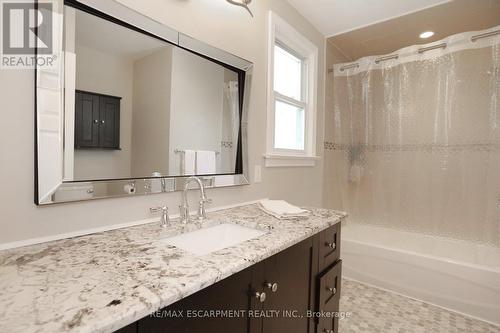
232	293
86	120
132	328
109	115
292	271
329	289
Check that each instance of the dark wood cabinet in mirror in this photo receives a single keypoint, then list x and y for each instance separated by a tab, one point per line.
97	121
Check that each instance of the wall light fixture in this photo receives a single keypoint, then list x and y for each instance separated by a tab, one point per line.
241	3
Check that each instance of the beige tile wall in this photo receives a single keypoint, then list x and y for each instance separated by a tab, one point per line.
331	193
426	137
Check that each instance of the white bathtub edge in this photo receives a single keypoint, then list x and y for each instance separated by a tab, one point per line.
461	287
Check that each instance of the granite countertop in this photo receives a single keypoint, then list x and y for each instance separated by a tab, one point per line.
105	281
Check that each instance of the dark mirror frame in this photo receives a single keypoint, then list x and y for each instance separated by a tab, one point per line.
117	13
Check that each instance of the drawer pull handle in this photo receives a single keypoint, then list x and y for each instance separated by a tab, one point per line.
332	290
331	245
272	286
261	296
327	331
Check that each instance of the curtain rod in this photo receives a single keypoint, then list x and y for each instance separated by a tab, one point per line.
432	47
421	50
343	68
384	58
179	151
486	34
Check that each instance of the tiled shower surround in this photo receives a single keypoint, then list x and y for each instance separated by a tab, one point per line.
374	310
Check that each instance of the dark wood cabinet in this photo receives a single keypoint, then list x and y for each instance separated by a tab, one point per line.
192	314
132	328
97	121
297	281
290	273
86	120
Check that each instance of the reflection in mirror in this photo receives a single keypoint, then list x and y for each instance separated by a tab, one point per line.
137	107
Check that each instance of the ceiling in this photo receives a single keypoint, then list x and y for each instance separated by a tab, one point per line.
113	38
332	17
446	19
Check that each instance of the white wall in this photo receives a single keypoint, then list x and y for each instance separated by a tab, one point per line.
111	75
196	106
151	115
215	22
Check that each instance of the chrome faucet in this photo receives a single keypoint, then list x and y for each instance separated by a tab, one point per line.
165	219
184	207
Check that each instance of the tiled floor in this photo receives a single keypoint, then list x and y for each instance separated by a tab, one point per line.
374	310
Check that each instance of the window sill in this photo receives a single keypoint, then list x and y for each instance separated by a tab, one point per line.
276	161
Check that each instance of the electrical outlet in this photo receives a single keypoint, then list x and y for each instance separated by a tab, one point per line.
257	174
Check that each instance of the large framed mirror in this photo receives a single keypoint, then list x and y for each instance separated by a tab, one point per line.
135	108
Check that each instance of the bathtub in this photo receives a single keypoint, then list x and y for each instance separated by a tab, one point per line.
458	275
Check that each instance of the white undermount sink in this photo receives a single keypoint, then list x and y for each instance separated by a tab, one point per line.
207	240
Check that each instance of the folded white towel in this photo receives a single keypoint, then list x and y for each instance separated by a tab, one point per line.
282	209
205	162
189	162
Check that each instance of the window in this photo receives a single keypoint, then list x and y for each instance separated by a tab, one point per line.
289	107
291	128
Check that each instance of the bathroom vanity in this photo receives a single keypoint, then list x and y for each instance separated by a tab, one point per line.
131	280
273	295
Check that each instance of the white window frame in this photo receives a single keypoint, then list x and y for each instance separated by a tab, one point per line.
283	34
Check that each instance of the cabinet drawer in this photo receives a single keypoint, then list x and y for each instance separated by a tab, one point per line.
329	298
329	246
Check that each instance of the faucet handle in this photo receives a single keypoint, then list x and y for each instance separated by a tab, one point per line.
202	213
184	213
165	219
159	209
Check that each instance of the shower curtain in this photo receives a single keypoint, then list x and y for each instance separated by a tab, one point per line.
417	139
232	116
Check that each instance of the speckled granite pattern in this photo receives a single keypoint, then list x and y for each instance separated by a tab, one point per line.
104	281
378	311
